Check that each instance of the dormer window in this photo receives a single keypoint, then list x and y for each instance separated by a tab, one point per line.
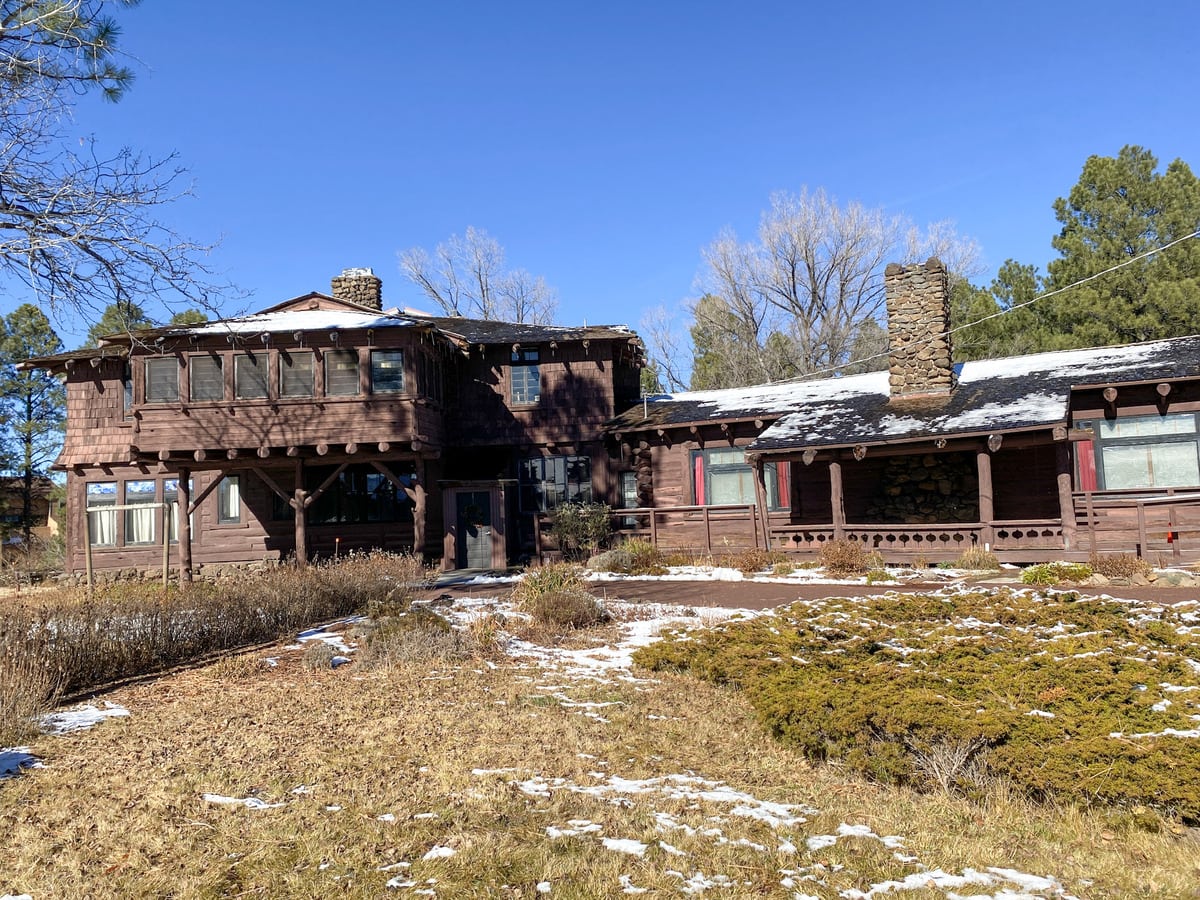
525	377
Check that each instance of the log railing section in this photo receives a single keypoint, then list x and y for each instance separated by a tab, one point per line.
1164	526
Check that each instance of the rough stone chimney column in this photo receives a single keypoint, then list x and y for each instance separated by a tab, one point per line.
918	312
361	286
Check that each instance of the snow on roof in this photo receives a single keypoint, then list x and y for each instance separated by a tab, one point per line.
997	394
303	320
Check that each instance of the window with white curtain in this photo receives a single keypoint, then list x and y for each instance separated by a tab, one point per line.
139	521
229	500
171	498
102	523
1148	451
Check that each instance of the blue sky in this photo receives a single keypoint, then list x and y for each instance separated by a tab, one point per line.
605	144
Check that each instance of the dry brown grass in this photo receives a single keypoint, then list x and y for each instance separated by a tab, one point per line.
119	810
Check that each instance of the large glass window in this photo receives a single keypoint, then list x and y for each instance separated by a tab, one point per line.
139	521
206	378
361	493
1147	451
548	481
722	477
295	373
341	373
162	380
102	522
525	376
171	499
387	371
250	376
229	500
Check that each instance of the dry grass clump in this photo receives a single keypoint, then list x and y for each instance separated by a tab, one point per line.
131	629
634	557
1119	565
755	560
848	557
420	636
557	598
977	559
29	686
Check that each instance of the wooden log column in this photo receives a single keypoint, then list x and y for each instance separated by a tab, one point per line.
300	508
1066	502
987	501
836	498
419	509
185	526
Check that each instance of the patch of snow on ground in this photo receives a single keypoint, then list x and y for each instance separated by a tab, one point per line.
80	717
439	852
624	845
248	802
14	759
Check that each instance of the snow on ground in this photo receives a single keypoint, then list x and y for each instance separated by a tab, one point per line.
897	575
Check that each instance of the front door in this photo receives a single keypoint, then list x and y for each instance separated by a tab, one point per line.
474	530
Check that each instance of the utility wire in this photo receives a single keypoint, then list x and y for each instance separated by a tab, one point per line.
996	315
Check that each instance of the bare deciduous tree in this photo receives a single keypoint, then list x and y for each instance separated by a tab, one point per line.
79	227
465	276
807	295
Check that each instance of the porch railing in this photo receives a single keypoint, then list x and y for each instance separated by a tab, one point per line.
1166	524
930	541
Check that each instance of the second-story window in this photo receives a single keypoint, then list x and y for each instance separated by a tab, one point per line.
525	377
207	378
162	380
295	373
250	379
341	373
387	371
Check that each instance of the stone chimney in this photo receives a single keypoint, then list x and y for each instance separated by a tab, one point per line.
918	313
361	286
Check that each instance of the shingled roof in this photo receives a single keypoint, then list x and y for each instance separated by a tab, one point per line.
487	331
1012	394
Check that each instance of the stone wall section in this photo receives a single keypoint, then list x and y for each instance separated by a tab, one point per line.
361	286
918	312
928	489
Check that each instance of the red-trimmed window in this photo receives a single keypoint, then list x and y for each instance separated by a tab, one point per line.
722	477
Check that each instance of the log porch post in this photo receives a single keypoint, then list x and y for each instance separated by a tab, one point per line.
1066	503
760	496
987	511
836	498
419	509
185	526
299	507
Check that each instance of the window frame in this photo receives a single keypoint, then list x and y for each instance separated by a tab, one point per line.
149	365
134	517
331	356
1100	442
778	485
110	514
393	354
261	374
565	490
197	362
287	359
226	515
524	388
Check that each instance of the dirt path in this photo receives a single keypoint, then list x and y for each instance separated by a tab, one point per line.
765	595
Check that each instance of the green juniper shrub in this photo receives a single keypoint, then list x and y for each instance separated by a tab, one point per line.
1052	573
1064	697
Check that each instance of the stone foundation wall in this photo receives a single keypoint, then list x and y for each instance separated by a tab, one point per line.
925	490
918	313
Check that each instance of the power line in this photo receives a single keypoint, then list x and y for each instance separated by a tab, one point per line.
996	315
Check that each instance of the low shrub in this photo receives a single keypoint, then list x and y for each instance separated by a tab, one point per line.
1049	574
755	560
848	557
565	610
1119	565
878	576
318	656
783	569
554	578
977	559
419	636
1061	696
634	557
581	529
